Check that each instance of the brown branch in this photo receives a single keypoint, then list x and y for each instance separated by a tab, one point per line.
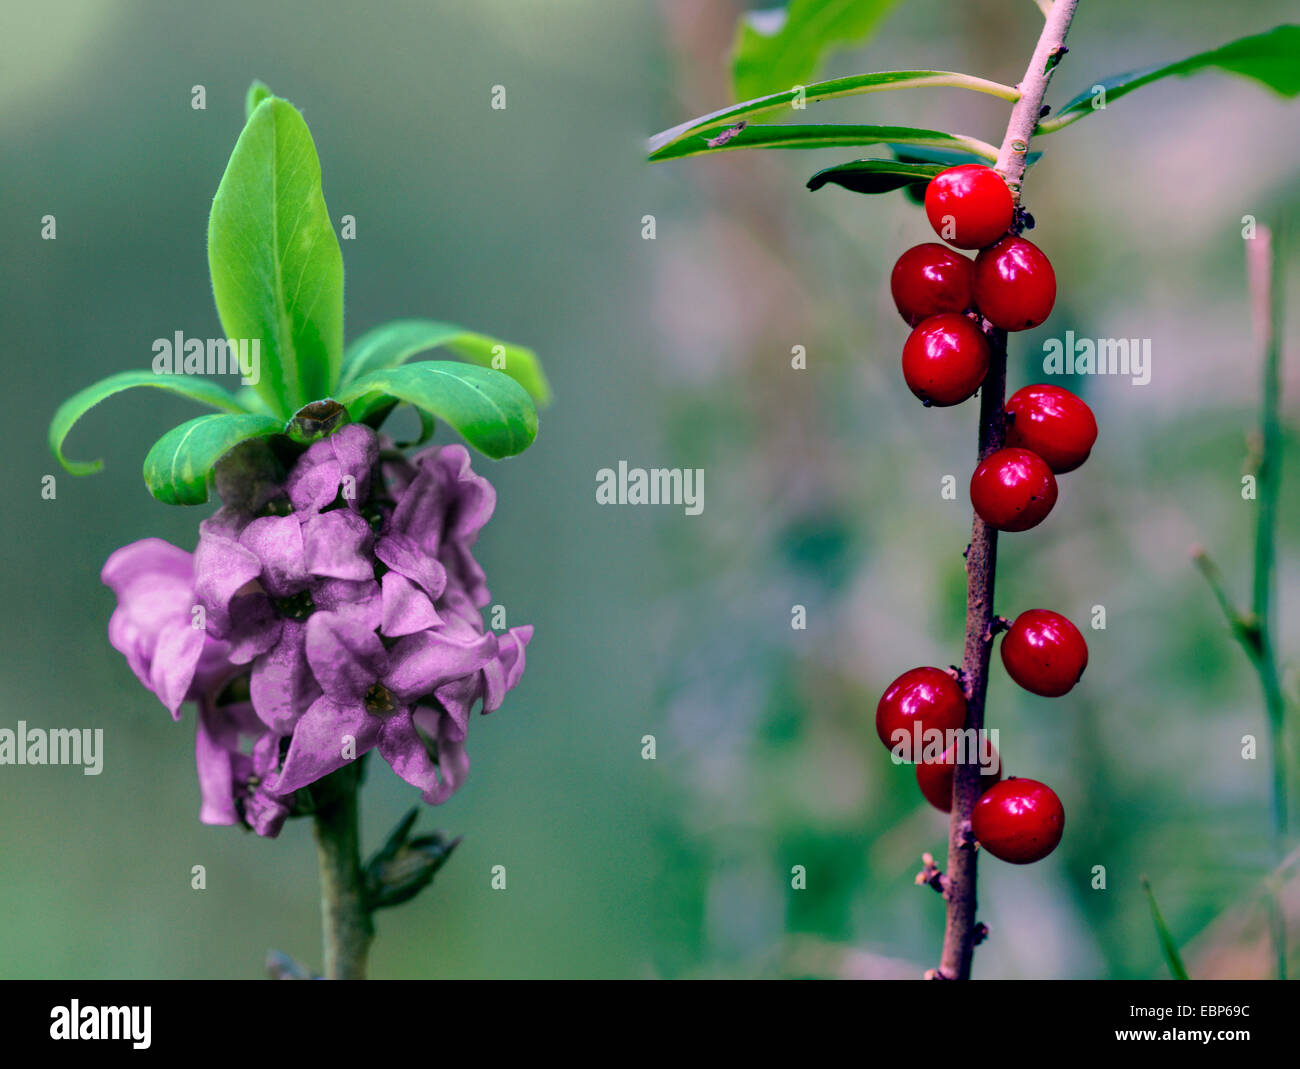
961	931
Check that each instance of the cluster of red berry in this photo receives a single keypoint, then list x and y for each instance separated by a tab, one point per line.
943	295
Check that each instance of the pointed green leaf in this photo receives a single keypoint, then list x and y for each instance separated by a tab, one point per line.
277	272
783	47
824	137
1272	58
717	123
396	342
177	467
489	409
76	406
257	92
875	176
1167	944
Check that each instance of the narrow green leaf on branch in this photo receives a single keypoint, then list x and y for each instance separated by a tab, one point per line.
1271	58
76	406
875	176
829	136
786	46
697	131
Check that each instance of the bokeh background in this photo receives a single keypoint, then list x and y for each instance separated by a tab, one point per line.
821	489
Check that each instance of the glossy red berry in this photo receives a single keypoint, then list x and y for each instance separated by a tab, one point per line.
935	777
929	280
918	701
1013	489
1044	652
1018	820
1015	286
945	359
969	206
1052	422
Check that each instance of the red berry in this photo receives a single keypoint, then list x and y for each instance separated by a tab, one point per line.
1044	652
1015	286
930	279
935	777
918	701
1018	820
1013	490
945	359
1052	422
969	206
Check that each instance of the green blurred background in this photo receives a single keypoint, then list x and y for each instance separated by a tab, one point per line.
821	489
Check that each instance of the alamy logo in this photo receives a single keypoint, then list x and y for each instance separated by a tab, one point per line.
212	356
76	1021
653	486
57	746
1104	356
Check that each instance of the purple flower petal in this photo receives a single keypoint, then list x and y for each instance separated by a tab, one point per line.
265	813
340	462
222	568
214	761
423	662
174	660
405	556
458	699
346	658
282	684
150	561
356	600
406	609
400	745
337	545
329	735
279	544
504	673
255	627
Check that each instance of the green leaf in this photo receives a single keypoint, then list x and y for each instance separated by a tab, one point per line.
1167	943
396	342
946	157
783	47
76	406
257	92
825	137
717	122
489	409
1272	58
875	176
277	272
177	467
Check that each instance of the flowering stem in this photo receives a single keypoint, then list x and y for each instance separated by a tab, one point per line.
981	558
345	917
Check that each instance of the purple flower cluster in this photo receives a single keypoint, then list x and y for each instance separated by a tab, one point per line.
343	615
